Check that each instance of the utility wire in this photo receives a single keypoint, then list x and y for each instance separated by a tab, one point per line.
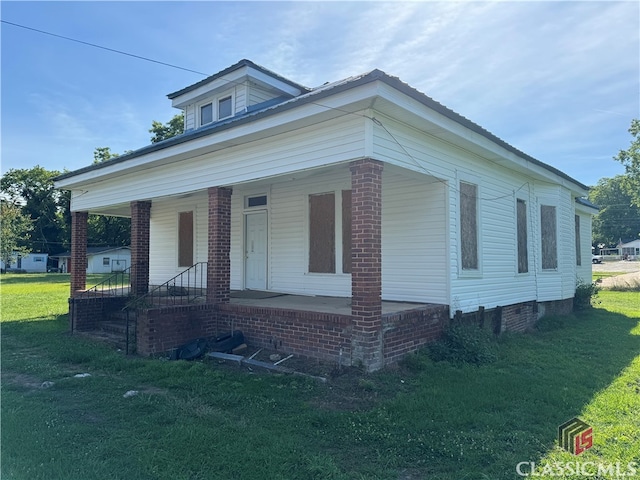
104	48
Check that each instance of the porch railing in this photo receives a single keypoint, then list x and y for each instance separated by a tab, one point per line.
185	288
117	285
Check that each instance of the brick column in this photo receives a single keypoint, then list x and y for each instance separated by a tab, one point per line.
140	220
218	261
366	262
78	251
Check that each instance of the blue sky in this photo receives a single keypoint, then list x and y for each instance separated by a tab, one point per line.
558	80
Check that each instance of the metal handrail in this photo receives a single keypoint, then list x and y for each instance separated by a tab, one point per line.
183	289
116	285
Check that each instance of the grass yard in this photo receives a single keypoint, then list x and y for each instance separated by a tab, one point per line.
203	420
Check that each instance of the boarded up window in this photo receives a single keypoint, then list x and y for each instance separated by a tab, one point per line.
523	253
346	231
469	225
322	227
548	239
185	239
578	255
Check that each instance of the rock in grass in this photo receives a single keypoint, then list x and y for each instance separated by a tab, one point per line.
82	375
47	384
130	393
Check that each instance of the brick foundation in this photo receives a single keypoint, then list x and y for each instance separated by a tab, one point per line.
330	337
160	330
406	332
86	313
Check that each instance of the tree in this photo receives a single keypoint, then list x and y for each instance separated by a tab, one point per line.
630	158
618	217
40	202
15	230
102	154
173	127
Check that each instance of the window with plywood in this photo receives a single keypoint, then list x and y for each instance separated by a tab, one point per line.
523	248
185	239
469	226
548	237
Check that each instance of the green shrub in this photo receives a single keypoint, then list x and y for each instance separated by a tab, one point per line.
465	343
585	293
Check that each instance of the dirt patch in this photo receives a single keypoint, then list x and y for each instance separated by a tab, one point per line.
26	381
628	281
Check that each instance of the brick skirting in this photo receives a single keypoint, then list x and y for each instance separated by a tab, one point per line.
160	330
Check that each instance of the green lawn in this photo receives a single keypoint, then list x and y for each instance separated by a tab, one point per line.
203	420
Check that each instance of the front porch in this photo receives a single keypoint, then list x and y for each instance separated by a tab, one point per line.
320	297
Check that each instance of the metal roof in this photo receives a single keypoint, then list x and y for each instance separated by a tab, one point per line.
240	64
268	108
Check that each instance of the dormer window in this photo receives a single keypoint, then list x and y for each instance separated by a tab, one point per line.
206	114
224	107
215	110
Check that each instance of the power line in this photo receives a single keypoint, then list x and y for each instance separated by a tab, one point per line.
104	48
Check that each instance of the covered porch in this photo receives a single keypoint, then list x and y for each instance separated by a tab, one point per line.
353	326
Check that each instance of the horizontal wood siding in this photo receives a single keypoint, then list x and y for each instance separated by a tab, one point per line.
497	282
289	236
414	258
163	248
190	117
259	95
325	143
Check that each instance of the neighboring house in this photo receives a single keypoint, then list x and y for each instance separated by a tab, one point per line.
99	259
630	250
30	263
363	189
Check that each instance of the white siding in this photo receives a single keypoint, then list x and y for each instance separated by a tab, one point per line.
322	144
95	262
190	117
414	253
497	281
259	95
163	249
584	271
289	245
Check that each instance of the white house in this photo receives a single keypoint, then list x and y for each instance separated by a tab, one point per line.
30	263
364	189
630	250
100	260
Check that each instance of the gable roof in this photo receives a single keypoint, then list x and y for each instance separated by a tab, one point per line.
312	97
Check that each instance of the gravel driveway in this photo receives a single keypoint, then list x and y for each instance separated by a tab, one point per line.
617	266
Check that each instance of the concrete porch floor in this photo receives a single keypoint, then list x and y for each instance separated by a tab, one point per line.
336	305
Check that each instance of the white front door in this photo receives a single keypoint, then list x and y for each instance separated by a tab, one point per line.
255	249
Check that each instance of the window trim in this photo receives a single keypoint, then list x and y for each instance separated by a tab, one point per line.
215	107
336	189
